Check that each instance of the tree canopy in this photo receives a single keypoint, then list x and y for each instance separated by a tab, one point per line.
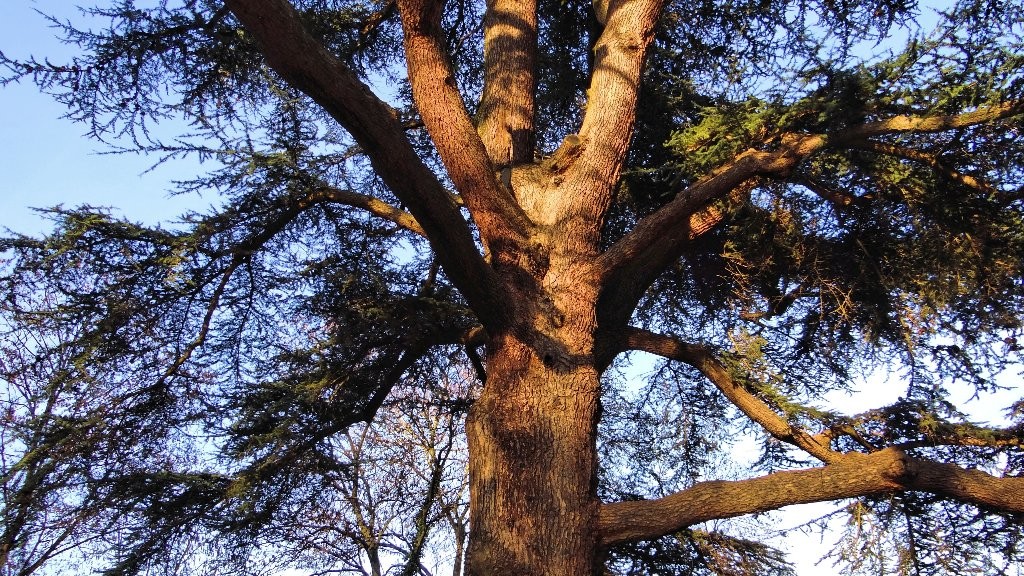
441	226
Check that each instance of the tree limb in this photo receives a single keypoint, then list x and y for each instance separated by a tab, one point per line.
607	127
451	129
904	124
853	475
931	161
658	240
506	111
307	65
701	358
372	205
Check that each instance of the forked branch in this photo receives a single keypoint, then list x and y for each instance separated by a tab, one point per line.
451	128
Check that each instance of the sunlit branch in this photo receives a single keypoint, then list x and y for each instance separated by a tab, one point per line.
372	205
929	123
451	129
719	374
657	240
932	162
630	266
851	476
505	116
608	121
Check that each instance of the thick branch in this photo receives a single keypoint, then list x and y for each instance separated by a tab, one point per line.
599	151
658	239
450	127
756	409
307	65
630	266
852	476
505	115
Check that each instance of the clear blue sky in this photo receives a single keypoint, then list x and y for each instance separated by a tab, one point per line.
45	160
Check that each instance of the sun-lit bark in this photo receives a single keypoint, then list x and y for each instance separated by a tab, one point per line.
587	166
505	115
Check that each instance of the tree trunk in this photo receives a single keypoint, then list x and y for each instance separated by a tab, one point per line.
532	467
532	433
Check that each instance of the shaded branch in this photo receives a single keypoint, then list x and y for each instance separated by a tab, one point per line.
702	358
239	255
852	476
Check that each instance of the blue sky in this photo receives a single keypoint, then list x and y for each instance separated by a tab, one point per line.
45	160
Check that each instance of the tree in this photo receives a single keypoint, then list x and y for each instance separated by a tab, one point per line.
774	197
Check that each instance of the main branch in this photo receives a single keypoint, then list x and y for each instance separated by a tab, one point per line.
505	115
598	153
451	129
852	476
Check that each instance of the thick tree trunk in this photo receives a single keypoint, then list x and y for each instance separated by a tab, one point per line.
532	433
533	507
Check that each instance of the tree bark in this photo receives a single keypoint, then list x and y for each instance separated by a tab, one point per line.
532	434
533	503
505	116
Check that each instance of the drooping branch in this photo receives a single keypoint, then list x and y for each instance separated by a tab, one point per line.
506	112
451	129
307	65
702	358
852	476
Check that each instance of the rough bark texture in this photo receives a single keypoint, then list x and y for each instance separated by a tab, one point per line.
505	116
